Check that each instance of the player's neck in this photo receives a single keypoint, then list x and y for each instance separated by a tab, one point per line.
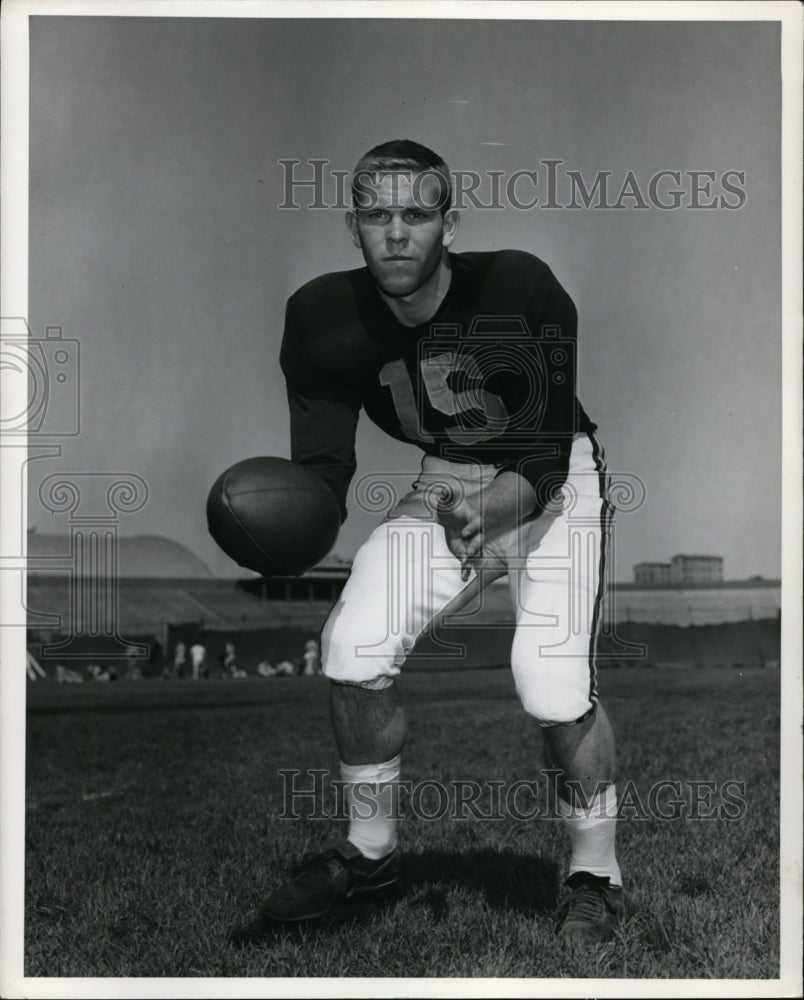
422	305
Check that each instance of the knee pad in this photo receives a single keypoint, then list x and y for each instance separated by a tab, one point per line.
555	690
350	656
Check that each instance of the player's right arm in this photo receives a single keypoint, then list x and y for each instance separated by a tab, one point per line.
323	413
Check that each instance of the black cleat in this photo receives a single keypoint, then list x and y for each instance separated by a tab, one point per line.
321	882
591	913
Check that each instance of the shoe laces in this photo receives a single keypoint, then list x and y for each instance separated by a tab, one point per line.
314	873
587	900
586	904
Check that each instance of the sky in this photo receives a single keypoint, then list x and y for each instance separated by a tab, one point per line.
158	244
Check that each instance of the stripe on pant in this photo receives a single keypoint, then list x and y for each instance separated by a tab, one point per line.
606	517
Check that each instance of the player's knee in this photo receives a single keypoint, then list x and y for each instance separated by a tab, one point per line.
335	645
553	690
349	655
370	673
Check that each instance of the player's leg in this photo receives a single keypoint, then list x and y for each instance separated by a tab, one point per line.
368	725
558	595
402	578
584	755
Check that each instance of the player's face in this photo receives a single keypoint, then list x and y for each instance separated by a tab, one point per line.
402	235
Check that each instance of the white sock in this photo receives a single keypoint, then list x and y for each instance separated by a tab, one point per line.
370	806
591	833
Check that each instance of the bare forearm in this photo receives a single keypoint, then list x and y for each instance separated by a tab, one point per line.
502	505
505	502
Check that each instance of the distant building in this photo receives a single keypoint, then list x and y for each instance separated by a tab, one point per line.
696	569
682	569
652	572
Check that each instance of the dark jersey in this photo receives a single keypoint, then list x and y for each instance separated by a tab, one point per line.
489	378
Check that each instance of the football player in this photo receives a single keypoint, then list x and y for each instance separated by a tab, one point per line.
471	356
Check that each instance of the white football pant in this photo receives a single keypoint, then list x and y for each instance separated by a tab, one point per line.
404	579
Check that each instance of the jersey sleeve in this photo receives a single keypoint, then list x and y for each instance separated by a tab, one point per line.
542	442
323	416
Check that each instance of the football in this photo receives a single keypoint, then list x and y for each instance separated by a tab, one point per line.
273	516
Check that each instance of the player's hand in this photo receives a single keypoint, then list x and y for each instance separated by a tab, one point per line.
464	531
470	524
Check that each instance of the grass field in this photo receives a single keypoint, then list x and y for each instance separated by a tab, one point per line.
153	825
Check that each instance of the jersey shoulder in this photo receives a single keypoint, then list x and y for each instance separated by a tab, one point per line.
505	280
325	328
495	263
517	283
329	300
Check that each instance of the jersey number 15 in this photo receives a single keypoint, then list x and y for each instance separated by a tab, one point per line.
489	415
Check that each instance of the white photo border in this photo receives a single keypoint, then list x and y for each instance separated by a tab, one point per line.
14	299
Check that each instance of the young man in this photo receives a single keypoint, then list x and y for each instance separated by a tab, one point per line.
471	356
